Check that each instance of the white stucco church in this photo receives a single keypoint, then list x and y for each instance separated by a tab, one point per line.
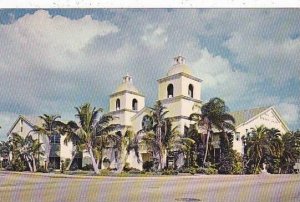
180	92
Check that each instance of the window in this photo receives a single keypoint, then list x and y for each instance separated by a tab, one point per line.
21	126
191	91
134	104
237	136
170	90
118	104
116	156
55	139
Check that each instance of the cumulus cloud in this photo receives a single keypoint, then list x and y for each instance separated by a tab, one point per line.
49	41
54	60
154	37
290	112
220	78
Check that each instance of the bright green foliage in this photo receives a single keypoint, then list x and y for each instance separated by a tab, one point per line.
163	138
227	156
214	115
92	133
25	149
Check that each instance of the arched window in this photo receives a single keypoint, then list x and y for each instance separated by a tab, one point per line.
134	104
191	90
118	104
170	90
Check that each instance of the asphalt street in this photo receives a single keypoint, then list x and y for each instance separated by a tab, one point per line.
28	187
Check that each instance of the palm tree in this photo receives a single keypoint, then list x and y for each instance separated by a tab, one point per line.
49	128
69	130
5	149
156	137
290	151
259	146
162	138
214	115
27	148
92	134
129	142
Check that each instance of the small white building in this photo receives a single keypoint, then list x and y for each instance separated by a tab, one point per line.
24	126
251	118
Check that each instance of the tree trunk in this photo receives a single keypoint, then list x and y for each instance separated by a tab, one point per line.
160	147
206	147
34	164
29	164
48	150
96	169
98	161
123	158
71	161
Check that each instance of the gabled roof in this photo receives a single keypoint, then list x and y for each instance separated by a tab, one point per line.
141	112
245	115
29	120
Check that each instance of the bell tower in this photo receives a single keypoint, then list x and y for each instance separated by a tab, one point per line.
180	92
126	101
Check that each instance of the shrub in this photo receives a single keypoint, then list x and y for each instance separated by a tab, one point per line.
169	172
104	172
207	171
192	171
134	171
148	165
41	169
18	165
211	171
123	174
88	167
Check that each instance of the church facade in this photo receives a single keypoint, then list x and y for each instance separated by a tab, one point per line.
180	92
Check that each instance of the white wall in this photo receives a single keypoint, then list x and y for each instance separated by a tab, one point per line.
268	119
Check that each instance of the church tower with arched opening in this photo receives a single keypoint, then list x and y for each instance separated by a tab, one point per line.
180	93
126	102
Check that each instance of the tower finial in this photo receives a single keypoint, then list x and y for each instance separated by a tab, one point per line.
127	78
179	59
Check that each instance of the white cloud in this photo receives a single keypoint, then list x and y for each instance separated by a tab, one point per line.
6	121
43	40
290	112
220	78
154	37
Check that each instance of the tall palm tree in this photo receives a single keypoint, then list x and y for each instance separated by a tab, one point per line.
92	133
69	131
163	138
214	115
154	138
27	148
259	146
129	142
290	151
49	128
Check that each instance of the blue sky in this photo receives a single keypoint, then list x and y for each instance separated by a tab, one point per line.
53	60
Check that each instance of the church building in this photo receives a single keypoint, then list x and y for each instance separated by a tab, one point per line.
180	92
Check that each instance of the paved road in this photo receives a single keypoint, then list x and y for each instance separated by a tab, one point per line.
16	187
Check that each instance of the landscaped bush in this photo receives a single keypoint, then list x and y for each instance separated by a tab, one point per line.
148	165
88	167
18	165
104	172
207	171
169	172
192	171
41	169
134	171
183	170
